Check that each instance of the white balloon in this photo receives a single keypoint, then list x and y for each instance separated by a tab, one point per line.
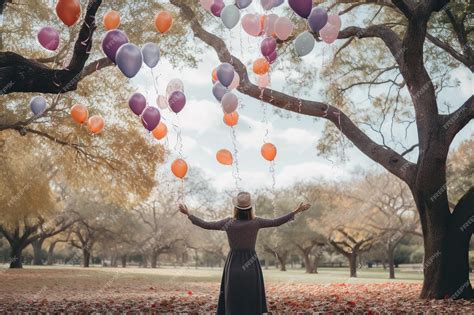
235	82
162	102
174	85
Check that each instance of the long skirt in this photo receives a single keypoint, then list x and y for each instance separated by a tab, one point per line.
242	288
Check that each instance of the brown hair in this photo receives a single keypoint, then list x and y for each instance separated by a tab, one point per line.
244	214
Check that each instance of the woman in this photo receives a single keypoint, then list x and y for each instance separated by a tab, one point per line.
242	289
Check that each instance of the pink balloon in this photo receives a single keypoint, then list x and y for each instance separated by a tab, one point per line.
235	82
251	24
335	20
229	102
206	4
263	81
48	37
329	33
269	27
283	27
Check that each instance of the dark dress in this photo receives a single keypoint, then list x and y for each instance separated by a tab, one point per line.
242	288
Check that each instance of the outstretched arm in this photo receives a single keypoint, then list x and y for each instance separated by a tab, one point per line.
265	223
208	225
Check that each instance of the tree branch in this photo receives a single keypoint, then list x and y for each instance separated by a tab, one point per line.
456	121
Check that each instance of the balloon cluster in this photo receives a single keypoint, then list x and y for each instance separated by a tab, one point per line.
319	21
80	114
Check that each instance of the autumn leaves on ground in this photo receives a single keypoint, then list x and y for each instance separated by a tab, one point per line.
195	291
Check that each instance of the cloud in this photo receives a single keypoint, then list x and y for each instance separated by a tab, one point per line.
306	171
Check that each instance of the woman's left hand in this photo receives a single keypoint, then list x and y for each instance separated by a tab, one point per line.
302	207
183	209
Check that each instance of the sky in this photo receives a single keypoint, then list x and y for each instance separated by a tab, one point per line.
203	132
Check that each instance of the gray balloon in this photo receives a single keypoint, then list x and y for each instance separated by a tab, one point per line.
304	44
219	90
230	16
38	105
151	54
129	60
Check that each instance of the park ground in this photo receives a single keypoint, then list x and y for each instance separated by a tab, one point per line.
193	291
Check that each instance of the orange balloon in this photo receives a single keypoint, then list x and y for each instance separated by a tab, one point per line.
160	131
224	157
214	75
68	11
261	66
163	21
231	119
95	124
111	20
79	113
179	168
269	151
263	19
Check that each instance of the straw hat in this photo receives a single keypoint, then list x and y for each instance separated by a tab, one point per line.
243	201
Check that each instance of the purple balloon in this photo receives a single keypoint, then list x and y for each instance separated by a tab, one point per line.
317	19
219	90
112	41
177	100
267	4
225	74
38	105
151	118
271	57
301	7
137	103
48	37
216	8
268	46
242	4
129	60
278	3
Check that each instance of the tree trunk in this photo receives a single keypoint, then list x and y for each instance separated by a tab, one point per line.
282	260
145	261
15	255
391	263
353	264
86	255
51	254
307	263
124	261
154	259
38	251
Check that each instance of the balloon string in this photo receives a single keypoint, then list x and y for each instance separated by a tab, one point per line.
154	81
264	116
181	191
179	143
236	174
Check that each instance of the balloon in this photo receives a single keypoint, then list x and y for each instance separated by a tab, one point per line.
242	4
111	20
301	7
231	119
225	74
251	24
151	54
278	3
137	103
304	43
270	24
219	90
174	85
317	19
224	157
335	20
160	131
229	102
206	4
129	60
177	100
268	46
37	105
48	37
112	41
214	75
230	16
272	57
267	4
262	20
68	11
162	102
268	151
261	66
217	7
235	82
283	27
329	33
95	124
163	21
263	81
79	113
179	168
151	118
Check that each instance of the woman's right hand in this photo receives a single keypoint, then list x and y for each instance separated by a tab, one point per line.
302	207
183	209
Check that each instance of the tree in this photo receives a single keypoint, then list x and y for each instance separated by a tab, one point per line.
407	31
